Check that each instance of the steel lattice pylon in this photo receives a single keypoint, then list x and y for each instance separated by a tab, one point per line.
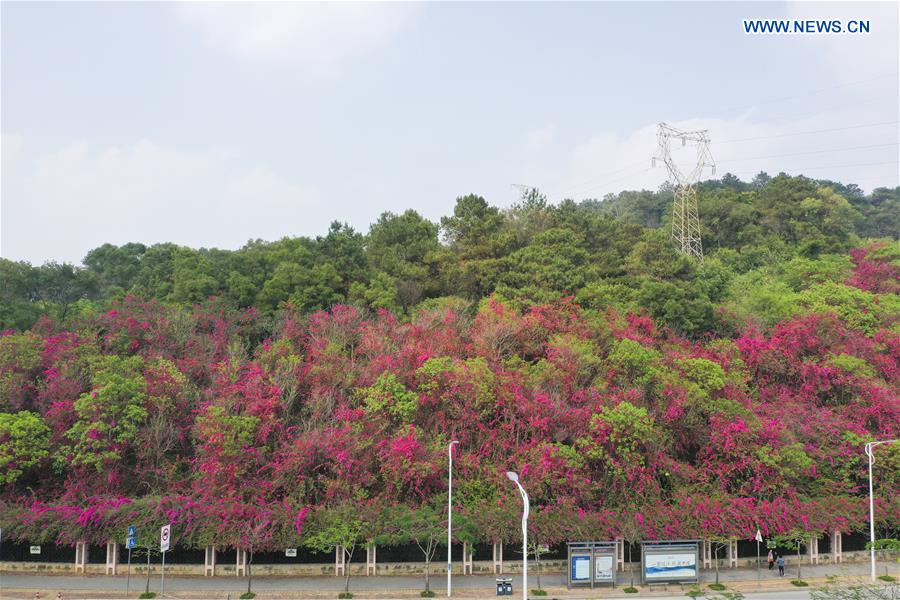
685	215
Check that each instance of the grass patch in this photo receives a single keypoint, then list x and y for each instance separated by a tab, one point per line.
248	596
147	595
345	595
695	593
716	586
538	592
630	590
427	594
799	583
887	578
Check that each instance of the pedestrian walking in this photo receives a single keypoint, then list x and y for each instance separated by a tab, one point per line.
771	559
780	562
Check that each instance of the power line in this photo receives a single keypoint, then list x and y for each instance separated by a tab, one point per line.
603	184
607	174
811	152
824	110
782	169
781	135
808	93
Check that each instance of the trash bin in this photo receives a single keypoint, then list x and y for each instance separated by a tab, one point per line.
504	586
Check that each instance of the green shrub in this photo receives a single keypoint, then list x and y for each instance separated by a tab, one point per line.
538	592
694	593
716	586
147	595
799	583
427	594
248	596
345	595
630	590
887	578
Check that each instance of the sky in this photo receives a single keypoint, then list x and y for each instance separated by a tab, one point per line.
209	124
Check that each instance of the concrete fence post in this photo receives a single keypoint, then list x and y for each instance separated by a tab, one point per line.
209	561
81	556
837	550
620	554
812	550
498	558
732	554
340	567
467	558
371	564
112	557
706	554
240	567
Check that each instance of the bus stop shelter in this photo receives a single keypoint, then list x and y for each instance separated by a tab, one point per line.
591	563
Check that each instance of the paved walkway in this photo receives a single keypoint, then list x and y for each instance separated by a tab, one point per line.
23	585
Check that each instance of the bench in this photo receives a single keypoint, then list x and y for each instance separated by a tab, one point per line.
665	584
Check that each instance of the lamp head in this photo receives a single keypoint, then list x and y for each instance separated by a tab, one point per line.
512	475
454	442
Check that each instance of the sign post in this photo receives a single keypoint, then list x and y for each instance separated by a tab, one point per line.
758	539
129	543
164	537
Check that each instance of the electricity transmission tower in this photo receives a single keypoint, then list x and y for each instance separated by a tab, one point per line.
685	215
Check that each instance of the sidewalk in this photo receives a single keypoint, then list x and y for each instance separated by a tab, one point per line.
24	586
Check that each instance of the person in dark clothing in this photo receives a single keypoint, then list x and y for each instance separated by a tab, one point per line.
780	563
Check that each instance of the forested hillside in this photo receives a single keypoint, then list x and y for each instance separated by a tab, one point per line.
255	397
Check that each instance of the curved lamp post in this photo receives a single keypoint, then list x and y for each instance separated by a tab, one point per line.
514	477
870	447
449	512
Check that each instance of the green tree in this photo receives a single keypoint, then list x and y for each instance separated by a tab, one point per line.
401	245
337	527
116	267
109	416
423	525
24	442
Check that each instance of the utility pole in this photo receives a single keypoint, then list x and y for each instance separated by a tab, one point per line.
685	214
870	452
450	517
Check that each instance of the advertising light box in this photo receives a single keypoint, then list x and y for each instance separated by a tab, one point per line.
604	568
666	563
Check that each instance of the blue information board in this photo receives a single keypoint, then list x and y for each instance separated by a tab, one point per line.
581	567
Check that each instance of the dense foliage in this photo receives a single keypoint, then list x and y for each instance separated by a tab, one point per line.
305	391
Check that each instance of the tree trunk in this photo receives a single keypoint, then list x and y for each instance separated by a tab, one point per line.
537	558
349	557
717	564
798	560
250	571
427	574
630	565
147	589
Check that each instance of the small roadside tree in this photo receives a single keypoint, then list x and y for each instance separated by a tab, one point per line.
424	526
794	539
548	525
631	529
337	527
719	543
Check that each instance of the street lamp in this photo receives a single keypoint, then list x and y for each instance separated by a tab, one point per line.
870	447
449	512
514	477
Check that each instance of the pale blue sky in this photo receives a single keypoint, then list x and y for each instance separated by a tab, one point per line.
212	124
